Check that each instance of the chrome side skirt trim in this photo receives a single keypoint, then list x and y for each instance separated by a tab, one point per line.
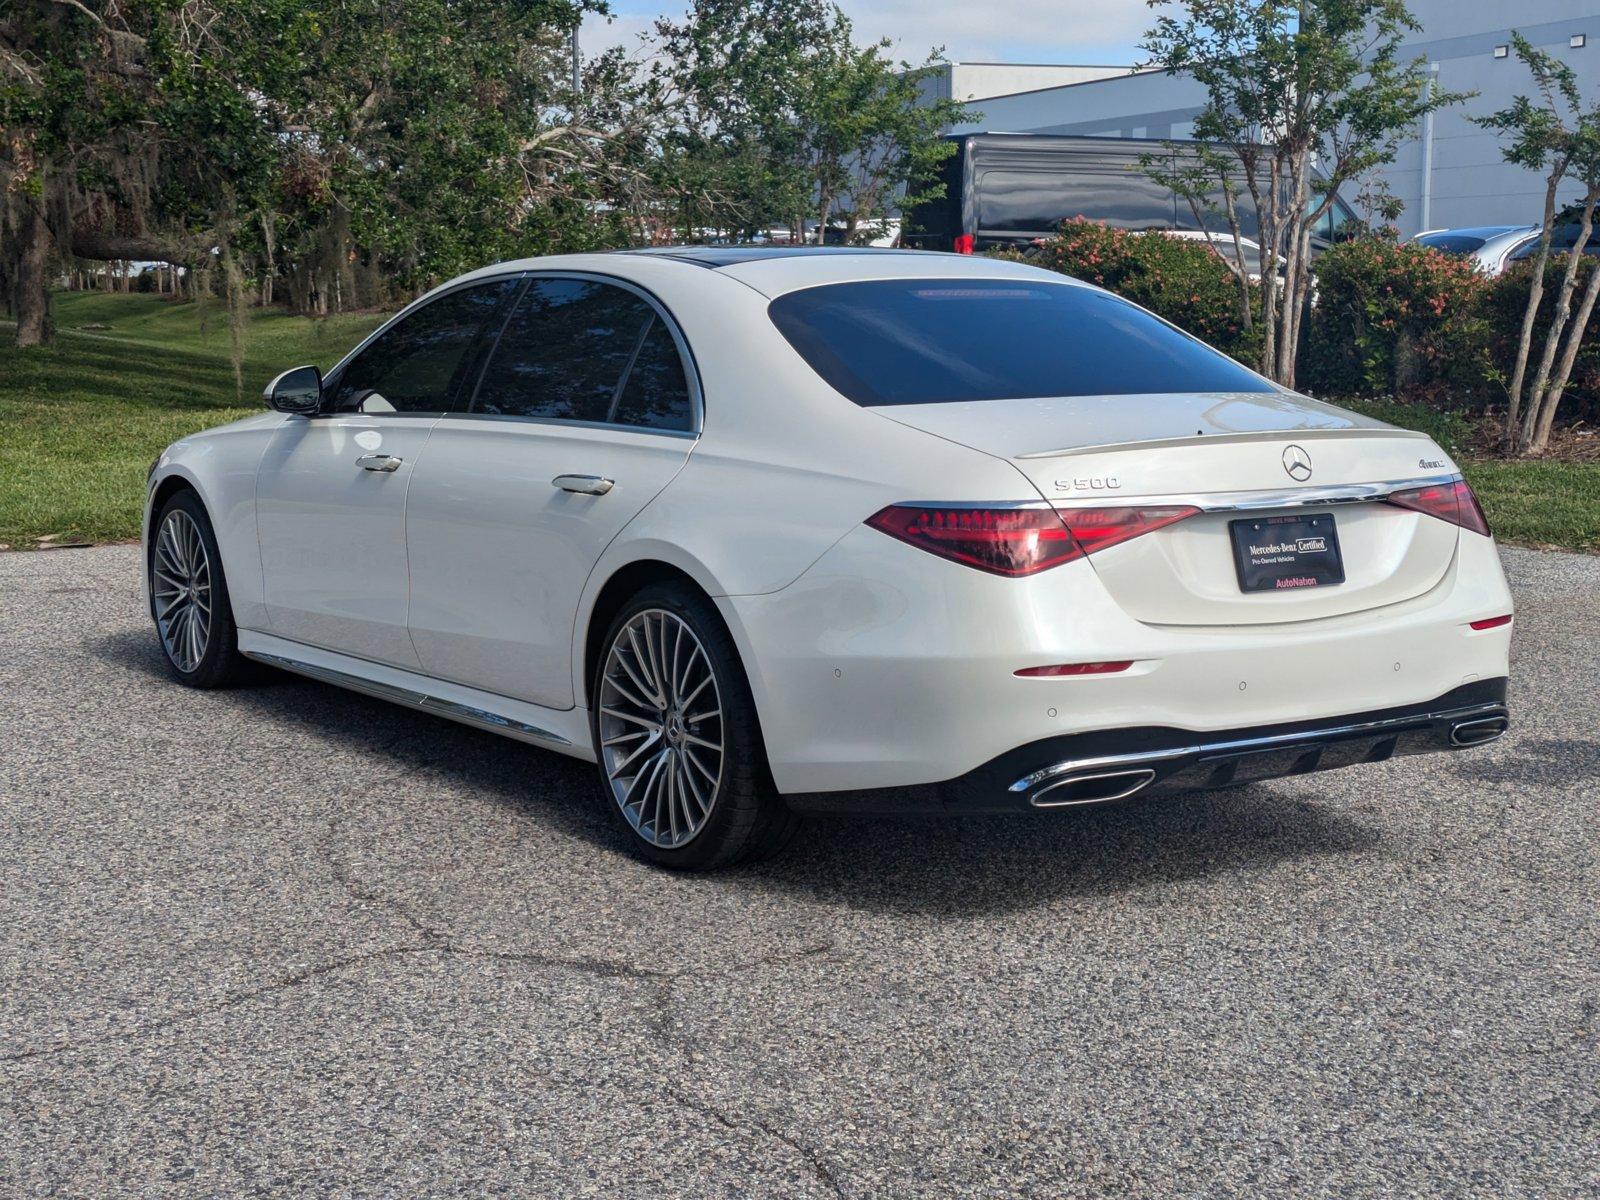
1464	717
466	714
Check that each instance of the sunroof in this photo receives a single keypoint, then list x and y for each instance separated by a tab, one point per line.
728	256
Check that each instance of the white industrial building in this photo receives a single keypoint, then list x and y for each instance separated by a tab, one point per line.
1450	173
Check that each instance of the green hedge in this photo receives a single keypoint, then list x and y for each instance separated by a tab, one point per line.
1179	279
1390	319
1395	319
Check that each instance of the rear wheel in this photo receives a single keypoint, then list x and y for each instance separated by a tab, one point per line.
189	596
675	732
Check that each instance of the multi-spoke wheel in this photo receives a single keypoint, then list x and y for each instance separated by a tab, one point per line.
181	586
677	738
189	596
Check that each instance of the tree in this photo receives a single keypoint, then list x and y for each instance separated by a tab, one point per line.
1558	138
775	114
337	144
1307	95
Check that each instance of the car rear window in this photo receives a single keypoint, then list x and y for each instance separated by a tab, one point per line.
934	341
1453	243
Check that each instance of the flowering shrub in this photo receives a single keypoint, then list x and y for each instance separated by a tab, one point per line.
1506	300
1182	280
1396	318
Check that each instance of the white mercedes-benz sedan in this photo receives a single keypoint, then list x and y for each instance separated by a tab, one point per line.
762	530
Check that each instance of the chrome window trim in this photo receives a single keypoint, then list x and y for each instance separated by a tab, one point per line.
691	373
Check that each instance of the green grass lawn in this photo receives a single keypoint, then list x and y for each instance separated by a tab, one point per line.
1529	503
81	420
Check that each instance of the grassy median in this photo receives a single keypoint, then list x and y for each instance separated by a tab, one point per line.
81	420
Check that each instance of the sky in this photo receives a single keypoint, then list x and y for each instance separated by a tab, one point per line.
1023	31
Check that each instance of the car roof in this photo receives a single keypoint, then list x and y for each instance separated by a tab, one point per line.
1483	231
716	257
774	270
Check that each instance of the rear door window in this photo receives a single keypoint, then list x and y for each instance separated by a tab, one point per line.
934	341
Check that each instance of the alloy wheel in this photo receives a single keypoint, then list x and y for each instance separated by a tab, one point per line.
661	734
181	586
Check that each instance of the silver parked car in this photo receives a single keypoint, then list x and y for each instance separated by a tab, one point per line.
1491	247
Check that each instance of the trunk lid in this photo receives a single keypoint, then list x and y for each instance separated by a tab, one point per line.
1211	450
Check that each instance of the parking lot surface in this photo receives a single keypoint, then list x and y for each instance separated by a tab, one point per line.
289	940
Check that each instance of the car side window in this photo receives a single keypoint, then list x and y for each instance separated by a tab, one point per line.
571	350
418	365
656	393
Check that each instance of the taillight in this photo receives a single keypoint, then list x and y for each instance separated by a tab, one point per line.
1005	541
1019	541
1453	502
1096	529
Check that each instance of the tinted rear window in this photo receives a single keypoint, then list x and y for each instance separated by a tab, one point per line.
1453	243
933	341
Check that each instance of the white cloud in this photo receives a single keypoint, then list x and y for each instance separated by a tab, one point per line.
972	30
1005	30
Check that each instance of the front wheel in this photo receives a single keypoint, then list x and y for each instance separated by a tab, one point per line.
675	731
189	596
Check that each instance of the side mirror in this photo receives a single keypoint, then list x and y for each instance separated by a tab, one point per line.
295	391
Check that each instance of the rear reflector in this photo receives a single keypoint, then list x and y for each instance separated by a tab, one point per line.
1492	622
1094	668
1019	541
1453	502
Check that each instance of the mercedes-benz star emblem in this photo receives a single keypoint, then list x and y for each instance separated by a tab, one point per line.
1297	462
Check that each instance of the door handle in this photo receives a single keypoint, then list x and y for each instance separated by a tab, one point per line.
587	485
378	462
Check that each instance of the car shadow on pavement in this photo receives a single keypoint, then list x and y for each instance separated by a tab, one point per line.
956	866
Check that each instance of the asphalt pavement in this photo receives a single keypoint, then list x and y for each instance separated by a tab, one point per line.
286	940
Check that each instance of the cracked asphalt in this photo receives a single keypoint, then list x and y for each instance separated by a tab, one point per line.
288	940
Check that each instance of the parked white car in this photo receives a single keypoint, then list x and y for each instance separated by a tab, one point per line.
766	530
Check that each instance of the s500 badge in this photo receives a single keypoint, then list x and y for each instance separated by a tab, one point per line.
1089	483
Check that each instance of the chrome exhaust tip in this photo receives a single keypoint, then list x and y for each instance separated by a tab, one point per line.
1478	732
1095	787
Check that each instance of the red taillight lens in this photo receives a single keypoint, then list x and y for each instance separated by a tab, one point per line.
1005	541
1453	502
1019	541
1096	529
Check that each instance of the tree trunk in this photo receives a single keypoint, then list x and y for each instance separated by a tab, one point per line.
1531	312
31	279
1551	400
1558	324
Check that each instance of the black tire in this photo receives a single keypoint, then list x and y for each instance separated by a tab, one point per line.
221	665
747	819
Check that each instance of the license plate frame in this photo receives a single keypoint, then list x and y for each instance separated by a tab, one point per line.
1286	553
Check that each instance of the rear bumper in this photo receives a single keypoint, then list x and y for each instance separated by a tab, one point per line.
1119	764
